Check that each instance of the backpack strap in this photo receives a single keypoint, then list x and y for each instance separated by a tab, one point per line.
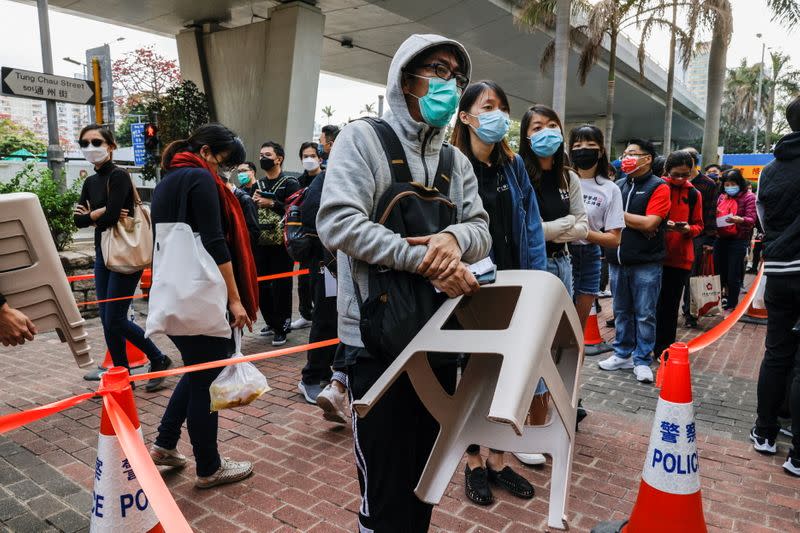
444	170
393	149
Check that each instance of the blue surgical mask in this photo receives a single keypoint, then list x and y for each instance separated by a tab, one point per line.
546	142
244	178
493	126
321	151
440	103
732	191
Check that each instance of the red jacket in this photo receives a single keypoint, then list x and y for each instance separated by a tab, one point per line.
680	249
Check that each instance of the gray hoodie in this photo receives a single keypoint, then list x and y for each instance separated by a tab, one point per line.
358	174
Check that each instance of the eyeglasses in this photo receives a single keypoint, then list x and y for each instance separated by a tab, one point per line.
633	154
83	143
679	176
442	71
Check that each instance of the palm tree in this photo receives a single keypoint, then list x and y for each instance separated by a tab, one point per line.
328	111
604	18
740	98
369	109
717	14
789	83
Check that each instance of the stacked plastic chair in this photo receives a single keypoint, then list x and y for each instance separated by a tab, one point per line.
521	328
31	276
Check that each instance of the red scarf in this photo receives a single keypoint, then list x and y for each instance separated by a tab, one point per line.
236	235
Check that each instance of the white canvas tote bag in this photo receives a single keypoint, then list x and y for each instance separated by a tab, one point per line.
188	296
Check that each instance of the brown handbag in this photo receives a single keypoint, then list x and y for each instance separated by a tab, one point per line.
128	245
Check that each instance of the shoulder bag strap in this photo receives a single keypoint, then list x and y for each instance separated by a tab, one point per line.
393	148
444	170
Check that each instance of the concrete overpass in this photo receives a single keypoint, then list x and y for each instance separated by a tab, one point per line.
260	60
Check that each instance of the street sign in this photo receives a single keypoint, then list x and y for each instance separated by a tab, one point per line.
139	152
29	84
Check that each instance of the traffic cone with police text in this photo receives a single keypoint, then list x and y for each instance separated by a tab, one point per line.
593	343
118	501
757	313
669	497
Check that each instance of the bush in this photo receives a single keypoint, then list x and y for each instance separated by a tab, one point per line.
57	207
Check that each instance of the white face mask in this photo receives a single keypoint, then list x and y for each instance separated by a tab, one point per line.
95	154
310	164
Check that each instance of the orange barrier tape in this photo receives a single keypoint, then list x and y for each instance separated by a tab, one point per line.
714	334
15	420
167	511
83	277
228	362
284	275
95	302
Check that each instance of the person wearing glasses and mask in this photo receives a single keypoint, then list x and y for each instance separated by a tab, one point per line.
270	196
636	264
107	196
684	223
426	78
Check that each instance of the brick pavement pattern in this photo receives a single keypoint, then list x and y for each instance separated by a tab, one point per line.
305	477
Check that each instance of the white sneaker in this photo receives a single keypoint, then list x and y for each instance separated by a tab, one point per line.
165	457
333	404
228	472
643	373
604	294
530	459
616	363
301	323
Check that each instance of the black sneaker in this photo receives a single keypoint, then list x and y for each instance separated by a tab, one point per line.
581	413
476	486
792	465
761	444
610	323
279	339
690	322
157	383
512	482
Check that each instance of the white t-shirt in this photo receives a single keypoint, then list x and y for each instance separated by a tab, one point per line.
603	201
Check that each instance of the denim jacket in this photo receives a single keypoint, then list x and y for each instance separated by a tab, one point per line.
527	223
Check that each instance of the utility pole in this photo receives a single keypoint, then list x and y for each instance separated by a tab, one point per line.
561	60
55	157
380	106
670	83
758	102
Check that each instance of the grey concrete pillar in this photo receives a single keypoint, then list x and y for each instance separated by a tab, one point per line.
263	76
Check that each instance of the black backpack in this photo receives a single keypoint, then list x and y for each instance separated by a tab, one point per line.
298	241
401	303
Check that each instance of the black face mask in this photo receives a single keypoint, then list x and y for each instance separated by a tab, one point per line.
584	158
267	163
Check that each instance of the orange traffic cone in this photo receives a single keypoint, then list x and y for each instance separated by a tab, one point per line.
669	497
756	314
136	359
118	501
593	343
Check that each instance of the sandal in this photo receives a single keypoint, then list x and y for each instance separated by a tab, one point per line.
512	482
476	485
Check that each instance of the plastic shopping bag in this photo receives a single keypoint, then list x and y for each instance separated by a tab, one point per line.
237	384
705	291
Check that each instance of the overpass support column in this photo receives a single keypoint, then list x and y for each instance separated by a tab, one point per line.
263	76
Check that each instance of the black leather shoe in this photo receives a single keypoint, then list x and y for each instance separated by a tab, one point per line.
157	383
476	485
512	482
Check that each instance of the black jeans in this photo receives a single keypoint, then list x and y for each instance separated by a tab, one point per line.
673	281
305	292
781	358
697	266
729	257
191	401
274	296
392	446
114	315
323	327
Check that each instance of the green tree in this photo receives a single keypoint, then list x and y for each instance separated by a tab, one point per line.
369	109
57	206
603	19
15	137
180	111
780	82
328	111
740	97
718	15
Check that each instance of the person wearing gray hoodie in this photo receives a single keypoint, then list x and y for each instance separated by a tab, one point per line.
392	444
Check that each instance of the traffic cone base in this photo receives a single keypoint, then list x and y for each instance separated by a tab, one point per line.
118	501
592	340
136	359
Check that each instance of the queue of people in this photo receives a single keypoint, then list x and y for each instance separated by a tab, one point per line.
552	207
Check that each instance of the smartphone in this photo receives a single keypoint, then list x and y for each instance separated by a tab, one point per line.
680	223
488	277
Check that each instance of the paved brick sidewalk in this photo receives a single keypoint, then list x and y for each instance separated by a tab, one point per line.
305	479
